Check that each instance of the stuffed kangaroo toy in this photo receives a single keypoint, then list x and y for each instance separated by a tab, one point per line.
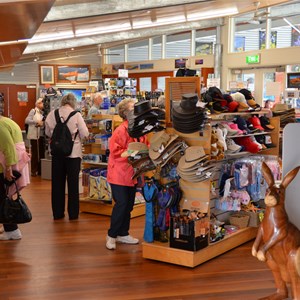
278	241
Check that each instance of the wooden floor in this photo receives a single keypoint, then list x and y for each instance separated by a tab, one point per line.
68	260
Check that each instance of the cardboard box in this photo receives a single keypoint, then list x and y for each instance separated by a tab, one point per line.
190	235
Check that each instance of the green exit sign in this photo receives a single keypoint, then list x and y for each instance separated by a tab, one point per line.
253	59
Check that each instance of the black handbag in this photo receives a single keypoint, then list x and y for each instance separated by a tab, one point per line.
14	211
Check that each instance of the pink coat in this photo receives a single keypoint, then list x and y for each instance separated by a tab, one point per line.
119	171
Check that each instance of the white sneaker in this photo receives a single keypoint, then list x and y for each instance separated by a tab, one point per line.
110	243
232	146
11	235
127	239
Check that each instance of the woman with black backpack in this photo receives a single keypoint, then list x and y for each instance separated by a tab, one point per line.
66	166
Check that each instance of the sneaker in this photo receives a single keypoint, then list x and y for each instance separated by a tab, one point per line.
232	146
11	235
110	243
127	239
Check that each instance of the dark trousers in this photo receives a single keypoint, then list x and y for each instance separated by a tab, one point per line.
65	168
124	197
37	153
7	227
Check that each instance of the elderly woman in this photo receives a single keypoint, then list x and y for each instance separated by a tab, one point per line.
119	174
67	168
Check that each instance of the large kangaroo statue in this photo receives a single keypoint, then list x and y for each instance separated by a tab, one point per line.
278	241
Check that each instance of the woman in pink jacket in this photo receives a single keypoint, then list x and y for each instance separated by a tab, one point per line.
119	173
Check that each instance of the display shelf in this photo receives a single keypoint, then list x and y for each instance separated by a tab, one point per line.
162	252
99	207
229	115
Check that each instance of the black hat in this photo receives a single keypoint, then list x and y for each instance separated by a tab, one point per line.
246	93
141	108
265	123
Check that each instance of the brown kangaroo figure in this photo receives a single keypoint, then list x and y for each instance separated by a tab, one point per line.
278	241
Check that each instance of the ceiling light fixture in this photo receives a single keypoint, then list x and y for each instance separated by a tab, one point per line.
36	58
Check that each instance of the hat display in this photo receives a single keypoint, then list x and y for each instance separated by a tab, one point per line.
159	142
192	156
134	148
144	119
193	166
186	116
265	122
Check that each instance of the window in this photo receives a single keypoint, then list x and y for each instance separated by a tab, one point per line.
205	41
116	54
250	31
138	51
178	45
156	47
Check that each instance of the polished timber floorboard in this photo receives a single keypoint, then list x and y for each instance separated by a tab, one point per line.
65	260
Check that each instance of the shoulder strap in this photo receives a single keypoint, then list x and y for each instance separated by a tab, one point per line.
57	118
71	115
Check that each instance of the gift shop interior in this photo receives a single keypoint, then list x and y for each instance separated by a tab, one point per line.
216	86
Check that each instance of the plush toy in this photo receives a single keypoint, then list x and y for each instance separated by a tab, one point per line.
217	149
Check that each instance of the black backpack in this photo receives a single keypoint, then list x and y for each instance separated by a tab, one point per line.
61	143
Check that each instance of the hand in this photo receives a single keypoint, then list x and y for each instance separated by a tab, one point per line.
9	174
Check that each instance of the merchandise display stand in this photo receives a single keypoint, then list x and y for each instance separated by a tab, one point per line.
88	205
200	194
162	252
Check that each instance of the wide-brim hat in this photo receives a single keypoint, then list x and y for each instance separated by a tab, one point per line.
199	167
177	145
181	112
139	133
141	166
192	156
159	142
279	107
188	128
196	118
200	170
141	108
265	123
134	148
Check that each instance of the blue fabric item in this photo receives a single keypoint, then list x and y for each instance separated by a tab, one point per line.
149	223
150	192
163	199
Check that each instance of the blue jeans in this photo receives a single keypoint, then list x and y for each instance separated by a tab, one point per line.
124	197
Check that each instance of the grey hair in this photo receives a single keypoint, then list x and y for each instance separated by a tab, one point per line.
161	101
69	99
123	107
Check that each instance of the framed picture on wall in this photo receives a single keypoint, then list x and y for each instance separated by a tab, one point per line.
47	74
72	73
